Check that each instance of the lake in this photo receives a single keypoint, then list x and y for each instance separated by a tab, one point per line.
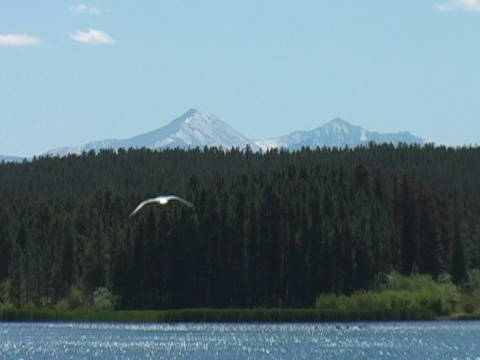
381	340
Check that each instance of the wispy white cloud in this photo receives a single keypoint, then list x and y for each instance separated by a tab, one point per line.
469	5
84	9
443	7
19	40
92	37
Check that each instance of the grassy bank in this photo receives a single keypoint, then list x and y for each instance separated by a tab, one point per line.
217	315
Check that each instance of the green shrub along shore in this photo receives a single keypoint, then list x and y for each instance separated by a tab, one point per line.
415	297
214	315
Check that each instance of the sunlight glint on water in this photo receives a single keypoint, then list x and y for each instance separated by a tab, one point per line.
409	340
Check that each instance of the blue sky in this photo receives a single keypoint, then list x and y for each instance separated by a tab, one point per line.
74	72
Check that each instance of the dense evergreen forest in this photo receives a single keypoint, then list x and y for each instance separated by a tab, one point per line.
276	228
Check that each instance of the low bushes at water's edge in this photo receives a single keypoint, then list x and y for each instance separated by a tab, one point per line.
398	297
216	315
418	291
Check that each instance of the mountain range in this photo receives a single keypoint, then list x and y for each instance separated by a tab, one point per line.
199	129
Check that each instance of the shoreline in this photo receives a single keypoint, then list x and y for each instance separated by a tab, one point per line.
273	315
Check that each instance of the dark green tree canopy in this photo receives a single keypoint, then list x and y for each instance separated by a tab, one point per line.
275	228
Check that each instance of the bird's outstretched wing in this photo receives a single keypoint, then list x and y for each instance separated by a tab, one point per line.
178	198
142	204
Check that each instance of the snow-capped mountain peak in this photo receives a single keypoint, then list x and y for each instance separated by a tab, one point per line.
337	125
336	133
193	129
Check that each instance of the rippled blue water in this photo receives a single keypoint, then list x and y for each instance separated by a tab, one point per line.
402	340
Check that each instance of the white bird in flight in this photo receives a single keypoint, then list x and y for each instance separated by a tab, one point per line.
162	200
